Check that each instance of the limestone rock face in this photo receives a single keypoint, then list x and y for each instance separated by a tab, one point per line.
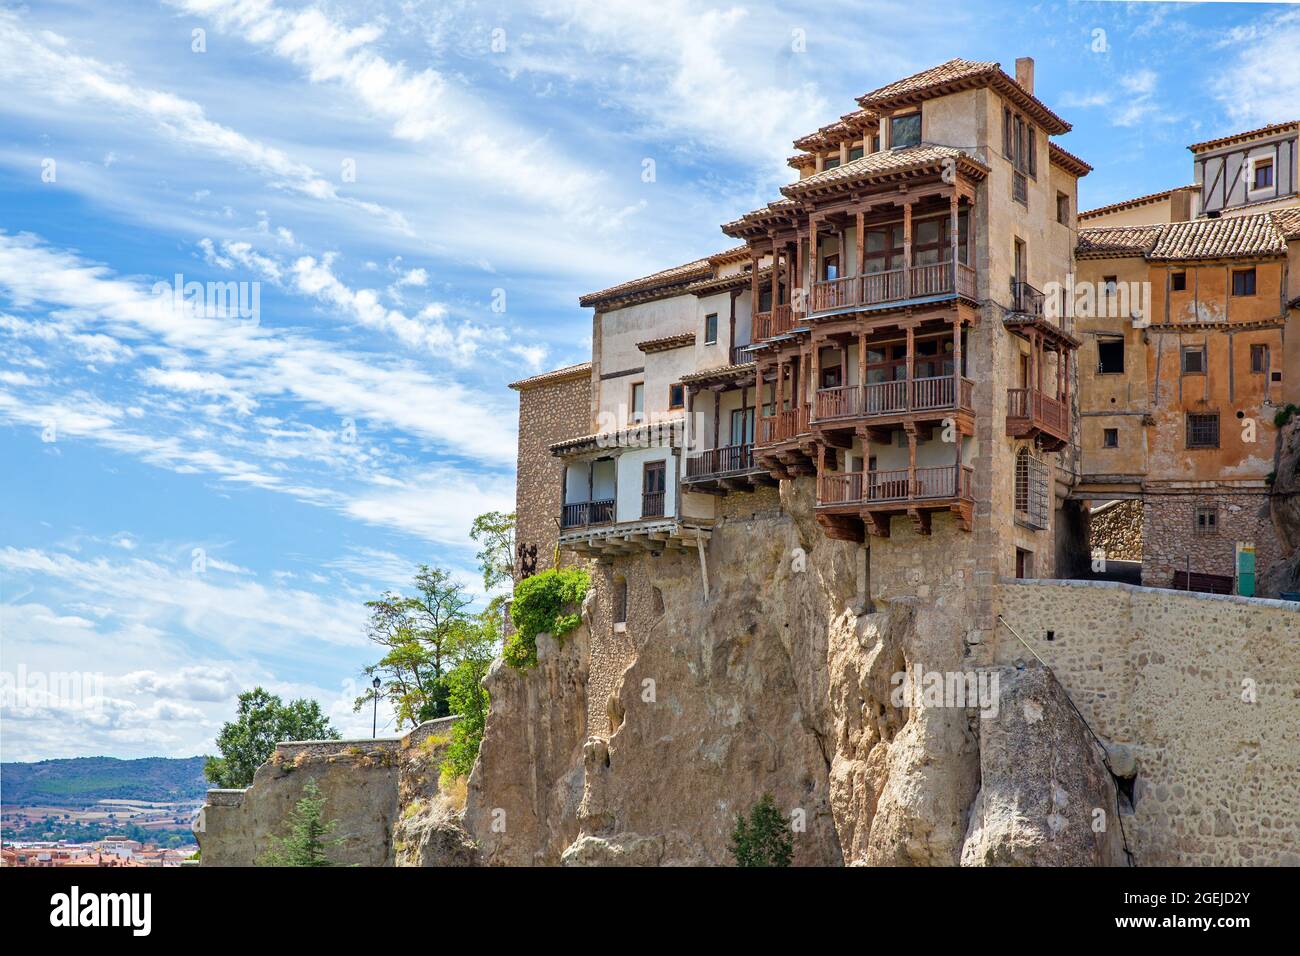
1045	797
1284	503
433	836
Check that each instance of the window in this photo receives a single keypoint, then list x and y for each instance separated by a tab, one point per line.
1109	285
711	329
830	267
855	153
1110	438
831	162
1193	359
1207	521
676	396
1263	178
1178	281
1203	431
1019	143
1063	209
1259	358
1024	563
742	426
905	130
1243	281
1110	356
653	483
638	401
1031	490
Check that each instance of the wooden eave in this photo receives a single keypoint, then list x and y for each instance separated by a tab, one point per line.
993	78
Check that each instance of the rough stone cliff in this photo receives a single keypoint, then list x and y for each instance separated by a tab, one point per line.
781	683
1285	507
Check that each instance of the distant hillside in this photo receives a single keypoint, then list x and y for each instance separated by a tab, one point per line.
83	780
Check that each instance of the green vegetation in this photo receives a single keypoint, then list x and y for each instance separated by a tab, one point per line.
263	721
546	603
81	781
310	836
1285	414
765	840
477	643
494	532
419	634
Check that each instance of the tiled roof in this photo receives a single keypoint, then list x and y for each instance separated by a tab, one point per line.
666	342
1134	202
1287	222
886	163
686	272
580	370
1067	160
833	133
958	74
1116	241
1260	133
725	371
1229	237
737	280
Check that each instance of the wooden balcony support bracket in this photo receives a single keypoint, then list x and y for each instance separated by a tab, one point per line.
877	523
920	520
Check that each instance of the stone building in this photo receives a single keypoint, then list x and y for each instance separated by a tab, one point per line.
1184	305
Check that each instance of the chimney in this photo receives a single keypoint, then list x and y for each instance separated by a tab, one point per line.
1025	73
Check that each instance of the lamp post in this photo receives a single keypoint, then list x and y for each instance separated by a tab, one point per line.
374	724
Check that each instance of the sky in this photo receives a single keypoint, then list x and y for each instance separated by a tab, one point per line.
409	197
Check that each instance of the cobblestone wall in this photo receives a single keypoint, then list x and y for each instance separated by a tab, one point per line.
1171	540
1203	688
1115	530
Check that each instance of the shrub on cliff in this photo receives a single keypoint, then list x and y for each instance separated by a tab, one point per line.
476	647
546	603
310	836
763	840
262	721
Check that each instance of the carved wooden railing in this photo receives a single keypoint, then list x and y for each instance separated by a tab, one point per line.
896	285
652	504
774	322
783	426
890	398
583	513
1038	409
844	401
896	484
726	460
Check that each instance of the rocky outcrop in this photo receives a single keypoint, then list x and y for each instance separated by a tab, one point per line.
1284	505
1045	797
430	833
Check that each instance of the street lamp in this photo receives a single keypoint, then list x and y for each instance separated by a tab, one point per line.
374	725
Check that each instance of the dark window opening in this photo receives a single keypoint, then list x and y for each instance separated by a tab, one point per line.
711	329
620	600
1243	282
1110	438
1263	174
831	163
1194	360
1207	520
1110	356
855	153
1259	358
1203	431
1178	281
905	130
676	396
1109	284
1063	209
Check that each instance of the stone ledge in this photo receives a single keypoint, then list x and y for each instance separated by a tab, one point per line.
1143	589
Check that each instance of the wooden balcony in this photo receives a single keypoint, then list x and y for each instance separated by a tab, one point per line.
778	321
897	285
652	504
784	426
878	400
1033	414
1026	300
720	470
582	514
845	501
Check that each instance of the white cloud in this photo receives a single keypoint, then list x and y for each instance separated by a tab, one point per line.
1261	85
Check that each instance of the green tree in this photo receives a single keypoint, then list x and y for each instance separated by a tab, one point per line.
418	634
765	840
310	836
494	532
477	644
549	602
262	721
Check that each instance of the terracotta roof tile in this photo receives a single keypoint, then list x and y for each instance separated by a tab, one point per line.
1241	137
1116	241
1229	237
686	272
885	163
958	74
666	342
580	370
1287	222
1067	160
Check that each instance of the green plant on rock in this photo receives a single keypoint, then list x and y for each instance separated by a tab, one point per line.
764	839
549	602
1284	414
310	836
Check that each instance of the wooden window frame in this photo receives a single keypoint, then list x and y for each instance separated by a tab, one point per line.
1178	281
632	412
1191	424
1260	367
1187	350
1110	438
711	341
678	387
893	143
1262	162
1253	283
1062	208
1110	341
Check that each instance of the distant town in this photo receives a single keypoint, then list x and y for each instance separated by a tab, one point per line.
110	851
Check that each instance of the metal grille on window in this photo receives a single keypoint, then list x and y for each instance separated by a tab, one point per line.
1202	431
1031	489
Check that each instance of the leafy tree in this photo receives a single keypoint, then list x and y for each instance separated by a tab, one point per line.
263	720
548	602
765	840
419	635
495	534
476	648
310	836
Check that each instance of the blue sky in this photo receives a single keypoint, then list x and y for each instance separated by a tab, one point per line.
195	503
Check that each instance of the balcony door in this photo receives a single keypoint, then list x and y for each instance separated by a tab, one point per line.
742	426
653	482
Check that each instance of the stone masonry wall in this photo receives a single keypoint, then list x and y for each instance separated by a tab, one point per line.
1116	530
1204	689
1170	538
